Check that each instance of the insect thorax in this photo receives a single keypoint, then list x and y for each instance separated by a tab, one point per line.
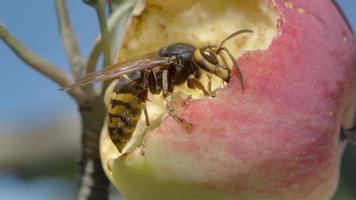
184	65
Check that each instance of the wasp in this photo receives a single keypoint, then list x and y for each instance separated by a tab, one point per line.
159	72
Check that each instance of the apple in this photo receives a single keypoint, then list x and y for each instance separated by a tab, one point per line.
277	139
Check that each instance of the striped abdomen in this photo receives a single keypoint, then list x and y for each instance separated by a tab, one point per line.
125	109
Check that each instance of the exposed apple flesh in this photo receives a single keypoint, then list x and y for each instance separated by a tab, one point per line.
279	139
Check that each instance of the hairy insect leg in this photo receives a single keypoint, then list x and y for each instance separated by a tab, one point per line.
186	124
170	106
143	104
144	108
165	82
349	134
145	78
209	83
192	80
210	89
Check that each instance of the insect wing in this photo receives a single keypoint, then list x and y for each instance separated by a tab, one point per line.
119	69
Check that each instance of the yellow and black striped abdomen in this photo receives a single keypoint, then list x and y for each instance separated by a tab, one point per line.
124	111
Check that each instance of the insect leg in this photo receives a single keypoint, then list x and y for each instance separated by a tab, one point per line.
210	85
144	108
145	78
155	78
193	80
145	86
186	124
165	82
170	106
348	134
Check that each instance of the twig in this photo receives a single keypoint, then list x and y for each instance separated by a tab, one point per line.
90	2
94	56
121	13
93	181
110	7
105	41
94	184
40	64
69	40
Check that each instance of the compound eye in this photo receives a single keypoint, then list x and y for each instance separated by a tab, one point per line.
209	55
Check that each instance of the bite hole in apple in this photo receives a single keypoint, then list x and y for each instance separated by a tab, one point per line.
199	23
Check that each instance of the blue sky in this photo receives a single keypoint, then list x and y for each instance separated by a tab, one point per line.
26	96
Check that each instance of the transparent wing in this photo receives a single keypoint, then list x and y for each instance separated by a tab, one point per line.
119	69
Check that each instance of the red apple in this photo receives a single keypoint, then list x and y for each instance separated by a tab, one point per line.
279	138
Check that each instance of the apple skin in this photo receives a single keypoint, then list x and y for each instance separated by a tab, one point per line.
278	139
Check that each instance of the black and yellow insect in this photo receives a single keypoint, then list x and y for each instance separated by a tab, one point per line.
158	72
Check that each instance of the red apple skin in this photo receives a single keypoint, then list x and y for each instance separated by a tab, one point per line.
279	139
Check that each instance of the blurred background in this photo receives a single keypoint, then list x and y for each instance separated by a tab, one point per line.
39	126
